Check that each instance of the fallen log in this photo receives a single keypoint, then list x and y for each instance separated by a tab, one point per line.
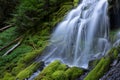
14	47
4	28
10	43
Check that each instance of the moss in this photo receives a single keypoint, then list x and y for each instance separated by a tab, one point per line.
51	68
26	73
103	64
73	73
62	67
18	68
44	78
99	70
93	63
59	75
113	53
47	71
59	15
8	76
58	71
29	57
76	2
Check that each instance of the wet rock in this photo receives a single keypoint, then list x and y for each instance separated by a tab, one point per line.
113	73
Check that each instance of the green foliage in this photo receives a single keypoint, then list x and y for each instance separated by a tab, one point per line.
7	36
30	56
59	15
8	76
20	66
27	72
6	9
26	60
15	54
31	14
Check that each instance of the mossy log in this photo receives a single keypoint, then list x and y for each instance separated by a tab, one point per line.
4	28
103	65
26	73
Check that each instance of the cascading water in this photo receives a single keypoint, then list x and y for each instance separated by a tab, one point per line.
81	36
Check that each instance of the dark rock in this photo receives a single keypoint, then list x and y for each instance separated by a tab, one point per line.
114	13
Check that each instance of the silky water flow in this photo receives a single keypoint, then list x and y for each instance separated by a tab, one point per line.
81	36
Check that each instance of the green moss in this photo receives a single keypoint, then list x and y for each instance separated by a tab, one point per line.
73	73
93	63
30	56
18	68
59	75
51	68
99	70
58	71
103	64
113	53
8	76
76	2
26	73
47	71
62	67
59	15
44	78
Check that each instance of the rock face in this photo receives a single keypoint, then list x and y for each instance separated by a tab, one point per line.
114	13
113	73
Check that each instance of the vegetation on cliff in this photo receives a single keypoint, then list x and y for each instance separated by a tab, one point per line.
32	23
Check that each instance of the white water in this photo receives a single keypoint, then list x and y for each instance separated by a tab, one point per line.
81	36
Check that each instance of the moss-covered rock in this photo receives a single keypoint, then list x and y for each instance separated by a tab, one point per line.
93	63
99	70
104	64
113	53
30	56
73	73
59	75
51	68
58	71
26	73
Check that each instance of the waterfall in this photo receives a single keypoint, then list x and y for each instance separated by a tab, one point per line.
81	36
